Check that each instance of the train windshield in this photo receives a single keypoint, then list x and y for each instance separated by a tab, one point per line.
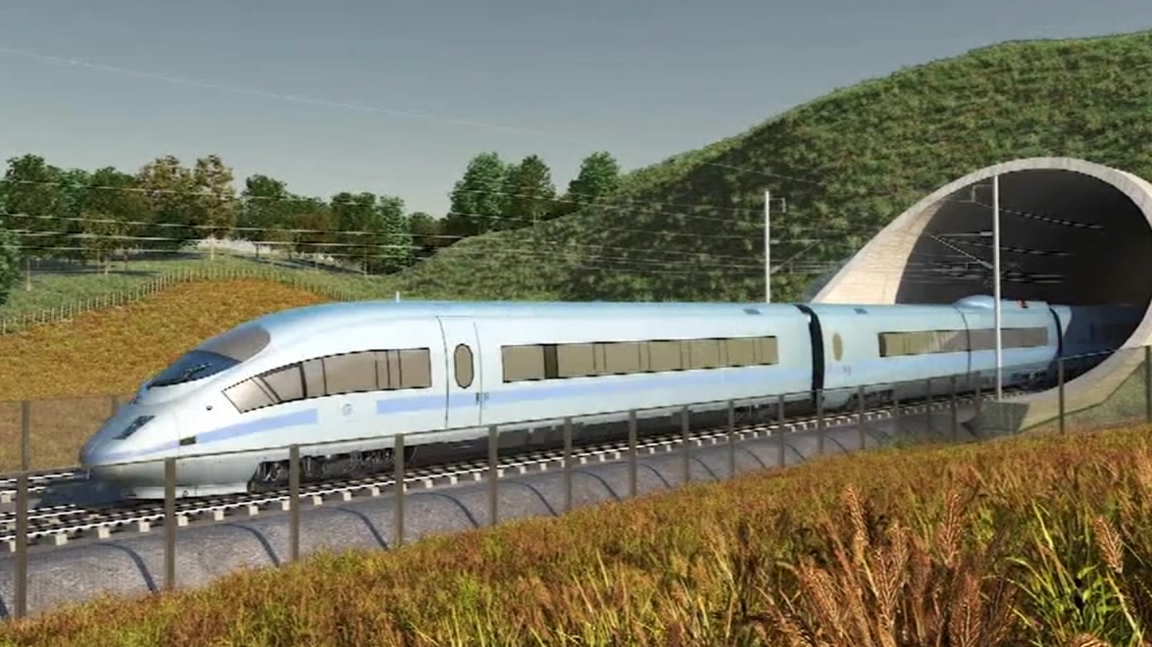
215	355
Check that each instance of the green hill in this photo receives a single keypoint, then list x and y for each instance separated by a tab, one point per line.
691	227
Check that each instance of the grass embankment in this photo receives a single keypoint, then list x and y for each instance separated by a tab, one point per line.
1038	540
112	351
847	164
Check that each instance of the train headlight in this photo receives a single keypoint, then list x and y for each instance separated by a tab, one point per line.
133	427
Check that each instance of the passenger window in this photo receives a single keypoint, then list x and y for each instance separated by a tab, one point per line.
704	353
622	358
742	352
575	360
314	378
248	395
286	383
388	369
522	363
768	351
415	369
350	373
464	368
664	356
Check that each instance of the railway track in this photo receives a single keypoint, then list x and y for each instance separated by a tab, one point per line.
40	480
56	525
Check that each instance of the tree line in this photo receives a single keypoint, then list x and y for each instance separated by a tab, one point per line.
50	212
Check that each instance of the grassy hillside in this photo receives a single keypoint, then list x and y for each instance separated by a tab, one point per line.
1028	541
691	228
112	351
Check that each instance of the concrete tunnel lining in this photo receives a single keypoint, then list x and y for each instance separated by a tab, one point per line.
1073	232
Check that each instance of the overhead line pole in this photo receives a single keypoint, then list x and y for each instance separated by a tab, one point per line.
768	243
996	281
767	247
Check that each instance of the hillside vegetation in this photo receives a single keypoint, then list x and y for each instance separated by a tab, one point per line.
691	228
1029	541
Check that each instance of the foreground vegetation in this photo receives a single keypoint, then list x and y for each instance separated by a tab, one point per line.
1041	540
111	351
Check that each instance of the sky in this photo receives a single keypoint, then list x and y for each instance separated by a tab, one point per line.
395	97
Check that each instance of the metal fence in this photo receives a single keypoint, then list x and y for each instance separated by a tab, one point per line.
655	448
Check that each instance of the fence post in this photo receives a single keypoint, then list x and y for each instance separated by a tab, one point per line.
896	408
1060	387
21	605
953	414
780	430
684	448
170	523
567	465
294	502
26	435
398	481
493	461
731	440
860	416
632	453
820	421
1148	384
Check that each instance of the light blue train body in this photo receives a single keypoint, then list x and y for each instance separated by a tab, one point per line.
457	368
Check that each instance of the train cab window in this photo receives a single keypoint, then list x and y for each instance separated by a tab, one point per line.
248	395
350	373
287	383
463	363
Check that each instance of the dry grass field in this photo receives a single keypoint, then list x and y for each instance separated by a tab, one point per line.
68	369
1037	540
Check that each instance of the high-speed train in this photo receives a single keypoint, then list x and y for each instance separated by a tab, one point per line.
342	379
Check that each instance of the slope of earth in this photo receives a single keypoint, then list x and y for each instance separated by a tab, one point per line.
691	228
111	351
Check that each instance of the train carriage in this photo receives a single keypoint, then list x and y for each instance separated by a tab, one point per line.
342	379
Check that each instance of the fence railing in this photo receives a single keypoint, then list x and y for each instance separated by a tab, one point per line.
293	278
774	430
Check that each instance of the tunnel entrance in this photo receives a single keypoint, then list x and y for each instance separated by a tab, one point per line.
1073	233
1065	237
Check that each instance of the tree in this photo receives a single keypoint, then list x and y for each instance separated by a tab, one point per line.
33	200
599	176
354	217
216	206
477	199
315	219
528	192
172	200
393	250
426	234
9	260
112	209
264	211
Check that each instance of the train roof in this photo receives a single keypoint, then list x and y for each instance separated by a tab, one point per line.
334	313
402	309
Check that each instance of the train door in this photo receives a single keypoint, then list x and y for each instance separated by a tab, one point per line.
465	395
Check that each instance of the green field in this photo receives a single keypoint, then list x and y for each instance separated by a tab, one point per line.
691	228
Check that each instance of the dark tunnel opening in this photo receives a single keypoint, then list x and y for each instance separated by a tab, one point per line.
1066	238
